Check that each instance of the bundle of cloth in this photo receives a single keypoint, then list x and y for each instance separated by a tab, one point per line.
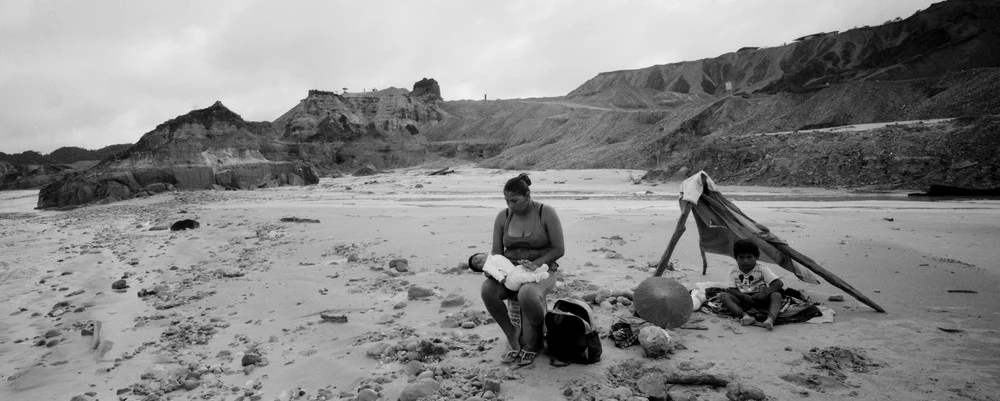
513	277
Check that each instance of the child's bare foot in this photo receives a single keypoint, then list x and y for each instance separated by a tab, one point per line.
747	320
769	324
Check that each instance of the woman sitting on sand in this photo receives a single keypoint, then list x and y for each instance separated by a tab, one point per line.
529	234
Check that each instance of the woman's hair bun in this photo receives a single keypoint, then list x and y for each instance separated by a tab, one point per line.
524	177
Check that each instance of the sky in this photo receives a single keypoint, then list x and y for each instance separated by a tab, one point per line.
96	73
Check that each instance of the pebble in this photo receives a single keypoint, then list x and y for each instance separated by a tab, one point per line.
469	325
119	285
453	300
191	384
419	292
250	359
367	395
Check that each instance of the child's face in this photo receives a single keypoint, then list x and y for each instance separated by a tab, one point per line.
478	261
746	261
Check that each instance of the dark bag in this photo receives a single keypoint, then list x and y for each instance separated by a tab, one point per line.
570	332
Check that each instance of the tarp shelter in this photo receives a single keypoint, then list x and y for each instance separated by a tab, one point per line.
720	223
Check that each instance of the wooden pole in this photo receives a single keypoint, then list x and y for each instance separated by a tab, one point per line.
704	260
830	277
678	231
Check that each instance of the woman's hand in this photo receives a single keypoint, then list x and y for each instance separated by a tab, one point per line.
527	264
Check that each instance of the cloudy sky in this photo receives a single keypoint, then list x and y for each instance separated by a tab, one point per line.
95	73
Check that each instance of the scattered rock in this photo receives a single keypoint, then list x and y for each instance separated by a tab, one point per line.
333	317
743	392
119	285
186	224
836	298
419	389
655	341
453	300
250	359
419	292
367	395
297	220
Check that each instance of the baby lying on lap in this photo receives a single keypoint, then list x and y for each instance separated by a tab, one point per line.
501	269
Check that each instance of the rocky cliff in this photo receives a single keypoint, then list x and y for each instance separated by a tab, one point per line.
204	149
708	114
339	133
949	36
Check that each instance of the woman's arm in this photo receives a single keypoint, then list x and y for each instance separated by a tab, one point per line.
497	248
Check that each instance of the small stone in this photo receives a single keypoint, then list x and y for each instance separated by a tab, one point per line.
250	359
52	342
453	300
469	325
334	318
191	384
491	385
367	395
836	298
419	292
419	389
119	285
52	333
655	341
376	350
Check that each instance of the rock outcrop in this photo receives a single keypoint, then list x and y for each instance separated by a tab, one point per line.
427	88
204	149
343	132
28	176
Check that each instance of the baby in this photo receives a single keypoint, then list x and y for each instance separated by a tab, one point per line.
501	269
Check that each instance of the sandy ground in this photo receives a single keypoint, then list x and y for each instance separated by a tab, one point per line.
245	285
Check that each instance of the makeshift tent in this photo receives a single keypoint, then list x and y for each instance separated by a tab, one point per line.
720	223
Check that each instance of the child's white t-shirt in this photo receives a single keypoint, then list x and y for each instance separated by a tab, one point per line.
752	282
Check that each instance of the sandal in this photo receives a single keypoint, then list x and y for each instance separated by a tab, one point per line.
510	356
527	358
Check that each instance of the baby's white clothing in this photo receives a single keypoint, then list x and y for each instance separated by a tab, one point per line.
512	277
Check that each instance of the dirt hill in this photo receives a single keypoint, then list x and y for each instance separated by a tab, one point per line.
682	117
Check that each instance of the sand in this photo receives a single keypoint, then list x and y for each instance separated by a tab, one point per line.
244	284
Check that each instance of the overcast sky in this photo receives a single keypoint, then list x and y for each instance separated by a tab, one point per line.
96	73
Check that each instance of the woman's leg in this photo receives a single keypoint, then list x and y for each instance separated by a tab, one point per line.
533	308
494	294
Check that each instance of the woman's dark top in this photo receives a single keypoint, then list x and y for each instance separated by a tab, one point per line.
530	246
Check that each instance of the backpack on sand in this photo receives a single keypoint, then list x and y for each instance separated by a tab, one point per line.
570	332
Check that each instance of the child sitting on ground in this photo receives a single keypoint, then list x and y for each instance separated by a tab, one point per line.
501	269
752	286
